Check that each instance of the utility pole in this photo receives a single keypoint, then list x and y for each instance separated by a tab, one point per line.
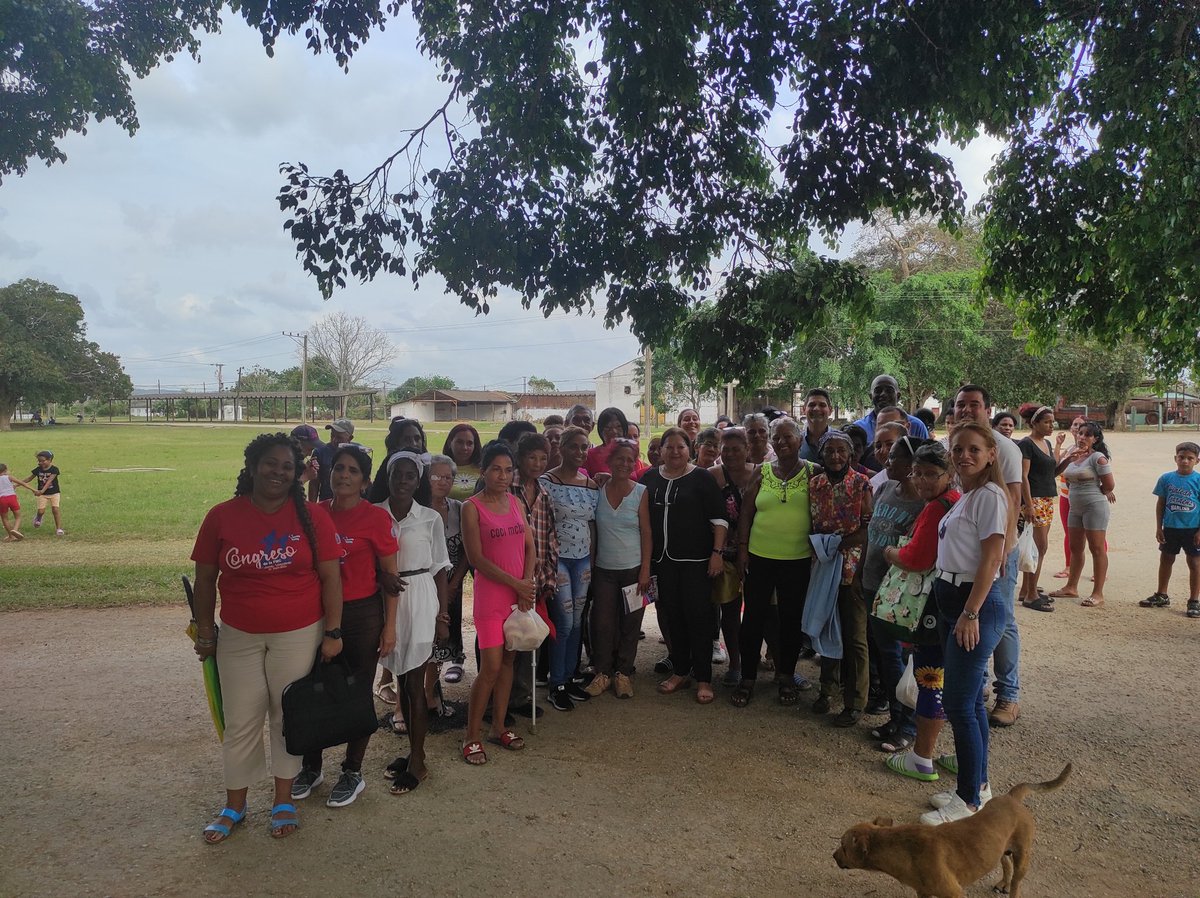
237	402
647	376
303	374
220	388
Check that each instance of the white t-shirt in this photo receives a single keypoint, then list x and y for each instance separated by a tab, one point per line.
6	486
981	513
1009	455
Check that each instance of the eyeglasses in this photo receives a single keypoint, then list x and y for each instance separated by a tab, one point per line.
439	478
913	475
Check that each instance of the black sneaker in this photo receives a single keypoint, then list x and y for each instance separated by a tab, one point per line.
1157	600
877	705
560	700
664	667
1193	608
821	705
306	780
348	787
847	718
577	692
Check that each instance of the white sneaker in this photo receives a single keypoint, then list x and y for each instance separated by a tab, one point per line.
941	799
719	656
60	532
955	809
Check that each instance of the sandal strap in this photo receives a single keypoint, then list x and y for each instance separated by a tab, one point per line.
283	808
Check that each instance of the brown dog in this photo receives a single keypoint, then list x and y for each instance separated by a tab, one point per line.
940	861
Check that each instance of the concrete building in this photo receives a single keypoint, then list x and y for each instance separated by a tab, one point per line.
620	388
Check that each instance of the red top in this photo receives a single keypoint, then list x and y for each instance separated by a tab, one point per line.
364	533
597	461
266	578
921	552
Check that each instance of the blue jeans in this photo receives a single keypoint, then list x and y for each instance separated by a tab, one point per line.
891	668
1008	653
962	695
566	610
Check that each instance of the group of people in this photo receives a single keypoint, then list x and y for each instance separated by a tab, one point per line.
774	533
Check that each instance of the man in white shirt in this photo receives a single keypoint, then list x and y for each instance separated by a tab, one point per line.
971	404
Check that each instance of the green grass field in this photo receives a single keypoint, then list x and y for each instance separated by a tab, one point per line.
129	532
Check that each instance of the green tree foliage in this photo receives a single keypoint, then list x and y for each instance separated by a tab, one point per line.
627	151
675	382
45	355
540	384
68	61
415	386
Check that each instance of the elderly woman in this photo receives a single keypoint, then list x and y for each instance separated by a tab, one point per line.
499	545
273	560
840	502
758	438
573	497
369	603
708	447
622	560
423	615
688	524
775	555
463	446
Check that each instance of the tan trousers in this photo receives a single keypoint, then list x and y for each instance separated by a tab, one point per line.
255	668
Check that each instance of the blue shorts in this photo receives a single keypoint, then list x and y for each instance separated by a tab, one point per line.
1176	538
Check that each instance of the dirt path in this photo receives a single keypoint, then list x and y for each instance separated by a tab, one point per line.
113	769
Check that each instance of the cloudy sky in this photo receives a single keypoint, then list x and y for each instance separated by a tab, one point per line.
174	242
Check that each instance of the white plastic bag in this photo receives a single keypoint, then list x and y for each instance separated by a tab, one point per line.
1027	553
906	689
524	631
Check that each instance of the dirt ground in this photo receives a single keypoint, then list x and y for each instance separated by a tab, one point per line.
113	769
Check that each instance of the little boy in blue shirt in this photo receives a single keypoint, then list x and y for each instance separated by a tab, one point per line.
1177	516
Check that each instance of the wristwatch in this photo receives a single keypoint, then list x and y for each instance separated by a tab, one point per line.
970	615
335	633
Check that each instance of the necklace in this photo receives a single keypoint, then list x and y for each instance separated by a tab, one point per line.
786	482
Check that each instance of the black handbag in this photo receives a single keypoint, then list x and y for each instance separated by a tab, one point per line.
331	705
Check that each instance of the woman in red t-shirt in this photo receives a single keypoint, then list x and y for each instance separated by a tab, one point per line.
931	476
273	559
364	533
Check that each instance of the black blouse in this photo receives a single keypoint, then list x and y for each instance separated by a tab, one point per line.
682	513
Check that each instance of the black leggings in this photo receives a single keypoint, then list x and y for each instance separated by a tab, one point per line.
362	625
788	580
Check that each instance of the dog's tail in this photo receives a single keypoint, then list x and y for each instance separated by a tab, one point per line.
1020	790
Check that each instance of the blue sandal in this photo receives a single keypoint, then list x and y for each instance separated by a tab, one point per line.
278	825
235	817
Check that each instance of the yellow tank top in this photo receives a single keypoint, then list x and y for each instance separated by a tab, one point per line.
782	520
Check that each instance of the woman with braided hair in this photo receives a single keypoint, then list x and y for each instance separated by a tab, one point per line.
273	559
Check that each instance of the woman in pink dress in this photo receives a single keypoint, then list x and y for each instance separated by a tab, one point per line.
500	548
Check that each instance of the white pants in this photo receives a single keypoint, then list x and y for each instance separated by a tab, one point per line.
255	668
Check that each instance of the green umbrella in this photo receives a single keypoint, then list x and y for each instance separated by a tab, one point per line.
212	679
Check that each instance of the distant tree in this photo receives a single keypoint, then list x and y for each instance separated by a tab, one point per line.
45	355
674	383
352	347
540	384
422	383
918	245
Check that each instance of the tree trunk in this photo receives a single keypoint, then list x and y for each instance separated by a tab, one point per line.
6	414
1115	414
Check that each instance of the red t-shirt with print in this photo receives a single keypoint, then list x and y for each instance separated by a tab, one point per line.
266	578
364	533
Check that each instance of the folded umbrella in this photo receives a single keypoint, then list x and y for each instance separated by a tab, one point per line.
212	679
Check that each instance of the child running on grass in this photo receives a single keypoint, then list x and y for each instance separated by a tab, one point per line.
10	503
48	491
1178	521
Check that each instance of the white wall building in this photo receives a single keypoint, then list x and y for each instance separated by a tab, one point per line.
619	388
